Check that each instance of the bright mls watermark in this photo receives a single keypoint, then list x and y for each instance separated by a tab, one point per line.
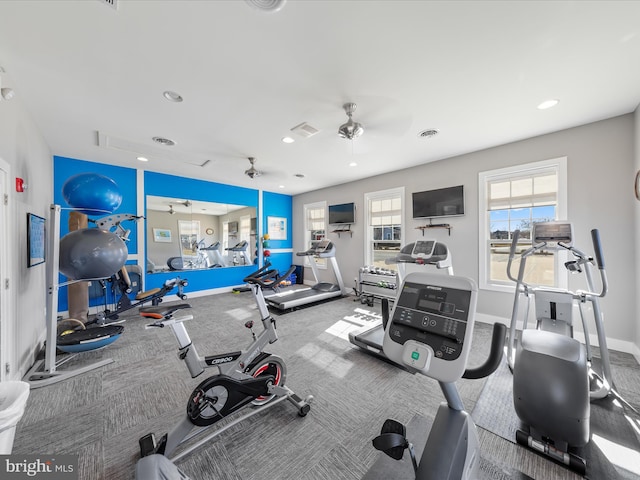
45	467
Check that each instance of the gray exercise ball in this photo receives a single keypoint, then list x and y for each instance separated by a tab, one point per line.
91	253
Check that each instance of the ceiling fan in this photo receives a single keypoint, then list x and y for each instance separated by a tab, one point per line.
252	172
171	210
351	129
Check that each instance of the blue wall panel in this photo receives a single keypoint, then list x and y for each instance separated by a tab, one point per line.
174	186
65	168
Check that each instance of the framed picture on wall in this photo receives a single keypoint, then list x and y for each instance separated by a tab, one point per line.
277	228
162	235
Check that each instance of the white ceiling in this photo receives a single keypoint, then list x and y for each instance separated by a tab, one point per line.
93	76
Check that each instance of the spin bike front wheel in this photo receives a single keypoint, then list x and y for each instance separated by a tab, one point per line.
271	365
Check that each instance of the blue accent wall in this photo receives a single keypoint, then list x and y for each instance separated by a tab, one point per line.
65	168
159	184
278	205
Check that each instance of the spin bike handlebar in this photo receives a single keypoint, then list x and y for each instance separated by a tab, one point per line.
268	278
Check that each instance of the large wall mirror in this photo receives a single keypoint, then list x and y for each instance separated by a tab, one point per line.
185	234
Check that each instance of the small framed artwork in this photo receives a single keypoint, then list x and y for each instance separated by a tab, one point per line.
277	228
35	240
162	235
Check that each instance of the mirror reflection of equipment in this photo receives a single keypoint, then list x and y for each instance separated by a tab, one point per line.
291	298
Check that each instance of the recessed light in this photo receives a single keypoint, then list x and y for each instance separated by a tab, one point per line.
280	186
287	140
353	164
164	141
548	104
172	96
142	159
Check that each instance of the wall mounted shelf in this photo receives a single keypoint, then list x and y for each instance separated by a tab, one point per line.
435	225
346	229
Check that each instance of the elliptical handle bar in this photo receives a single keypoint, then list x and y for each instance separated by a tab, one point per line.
597	247
512	254
495	355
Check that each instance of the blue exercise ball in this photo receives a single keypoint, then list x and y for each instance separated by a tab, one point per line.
92	193
91	253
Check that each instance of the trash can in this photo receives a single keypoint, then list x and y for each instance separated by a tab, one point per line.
299	272
13	399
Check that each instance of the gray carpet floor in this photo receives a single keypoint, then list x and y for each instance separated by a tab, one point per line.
101	415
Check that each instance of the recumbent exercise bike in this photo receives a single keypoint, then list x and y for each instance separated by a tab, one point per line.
430	332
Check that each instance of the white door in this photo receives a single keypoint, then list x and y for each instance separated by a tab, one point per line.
6	327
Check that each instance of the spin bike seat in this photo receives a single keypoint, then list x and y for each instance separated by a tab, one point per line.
162	311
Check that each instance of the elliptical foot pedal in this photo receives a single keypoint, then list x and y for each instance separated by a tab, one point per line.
568	459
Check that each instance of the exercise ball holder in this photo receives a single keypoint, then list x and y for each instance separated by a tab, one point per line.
44	372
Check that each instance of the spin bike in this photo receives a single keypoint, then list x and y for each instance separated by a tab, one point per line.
244	377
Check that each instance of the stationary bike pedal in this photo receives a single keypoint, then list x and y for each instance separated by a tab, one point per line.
147	445
249	324
392	439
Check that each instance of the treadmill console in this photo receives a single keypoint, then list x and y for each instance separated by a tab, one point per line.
423	249
431	325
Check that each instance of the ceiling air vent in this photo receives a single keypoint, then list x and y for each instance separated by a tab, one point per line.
430	132
305	130
112	3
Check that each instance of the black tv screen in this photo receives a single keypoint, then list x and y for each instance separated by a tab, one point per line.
343	213
443	202
35	240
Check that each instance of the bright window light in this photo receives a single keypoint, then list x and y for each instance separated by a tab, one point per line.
619	455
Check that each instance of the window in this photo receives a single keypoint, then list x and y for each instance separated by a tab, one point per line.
315	228
513	199
384	226
245	232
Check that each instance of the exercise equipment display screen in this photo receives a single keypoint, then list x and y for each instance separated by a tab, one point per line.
433	315
423	248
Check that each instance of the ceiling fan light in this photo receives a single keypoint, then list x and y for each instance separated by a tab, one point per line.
350	130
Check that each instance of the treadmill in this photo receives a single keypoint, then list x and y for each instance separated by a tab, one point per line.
420	253
291	298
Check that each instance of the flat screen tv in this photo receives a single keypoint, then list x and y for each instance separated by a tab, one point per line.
343	213
35	240
443	202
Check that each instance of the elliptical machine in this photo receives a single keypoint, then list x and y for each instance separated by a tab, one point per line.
553	373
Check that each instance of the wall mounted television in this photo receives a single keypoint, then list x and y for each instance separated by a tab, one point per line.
35	240
343	213
443	202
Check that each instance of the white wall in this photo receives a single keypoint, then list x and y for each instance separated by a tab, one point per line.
600	169
636	164
28	156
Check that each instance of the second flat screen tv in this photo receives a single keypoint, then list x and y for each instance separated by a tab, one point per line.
443	202
344	213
